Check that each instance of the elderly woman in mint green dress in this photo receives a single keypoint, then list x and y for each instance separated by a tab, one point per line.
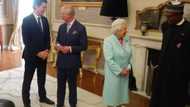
117	53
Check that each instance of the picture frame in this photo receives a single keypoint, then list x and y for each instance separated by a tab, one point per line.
150	16
86	12
153	17
83	3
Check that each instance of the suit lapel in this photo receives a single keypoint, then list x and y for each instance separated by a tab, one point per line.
44	23
33	19
72	27
64	28
35	22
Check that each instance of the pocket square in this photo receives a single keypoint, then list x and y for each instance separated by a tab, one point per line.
74	32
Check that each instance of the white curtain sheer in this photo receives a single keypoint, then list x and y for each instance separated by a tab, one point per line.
23	8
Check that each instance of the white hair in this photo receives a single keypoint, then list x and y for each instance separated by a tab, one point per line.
118	25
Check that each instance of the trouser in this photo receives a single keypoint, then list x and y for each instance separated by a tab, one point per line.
30	66
69	75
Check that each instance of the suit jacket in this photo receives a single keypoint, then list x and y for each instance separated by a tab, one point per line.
76	37
35	40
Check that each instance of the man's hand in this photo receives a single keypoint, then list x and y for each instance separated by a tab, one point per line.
58	47
43	54
63	49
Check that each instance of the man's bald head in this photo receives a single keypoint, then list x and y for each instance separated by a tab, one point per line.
67	13
68	10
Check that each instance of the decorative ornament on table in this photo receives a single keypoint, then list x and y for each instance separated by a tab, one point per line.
144	28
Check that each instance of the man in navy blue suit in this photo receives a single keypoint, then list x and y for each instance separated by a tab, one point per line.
71	40
36	38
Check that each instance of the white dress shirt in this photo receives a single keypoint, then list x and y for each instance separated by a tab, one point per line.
69	25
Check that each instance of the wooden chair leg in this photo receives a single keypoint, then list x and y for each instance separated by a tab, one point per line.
80	77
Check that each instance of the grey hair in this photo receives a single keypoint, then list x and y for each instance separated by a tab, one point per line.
118	25
69	10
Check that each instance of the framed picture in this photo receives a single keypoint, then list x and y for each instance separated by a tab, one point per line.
87	12
153	17
150	16
83	3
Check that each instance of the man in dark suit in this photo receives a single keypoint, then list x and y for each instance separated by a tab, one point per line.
170	88
36	38
71	40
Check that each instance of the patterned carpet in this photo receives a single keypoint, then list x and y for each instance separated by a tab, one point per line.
11	83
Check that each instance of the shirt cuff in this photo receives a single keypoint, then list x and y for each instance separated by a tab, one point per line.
70	48
58	44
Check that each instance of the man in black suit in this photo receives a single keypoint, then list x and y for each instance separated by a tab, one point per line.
36	38
71	40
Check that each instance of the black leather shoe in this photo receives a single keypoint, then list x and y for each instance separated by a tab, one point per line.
73	106
59	106
47	101
27	105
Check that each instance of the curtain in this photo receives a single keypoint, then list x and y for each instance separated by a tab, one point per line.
14	42
22	9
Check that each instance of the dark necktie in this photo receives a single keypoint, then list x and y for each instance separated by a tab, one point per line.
39	23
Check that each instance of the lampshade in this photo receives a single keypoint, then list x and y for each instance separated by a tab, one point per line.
114	8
